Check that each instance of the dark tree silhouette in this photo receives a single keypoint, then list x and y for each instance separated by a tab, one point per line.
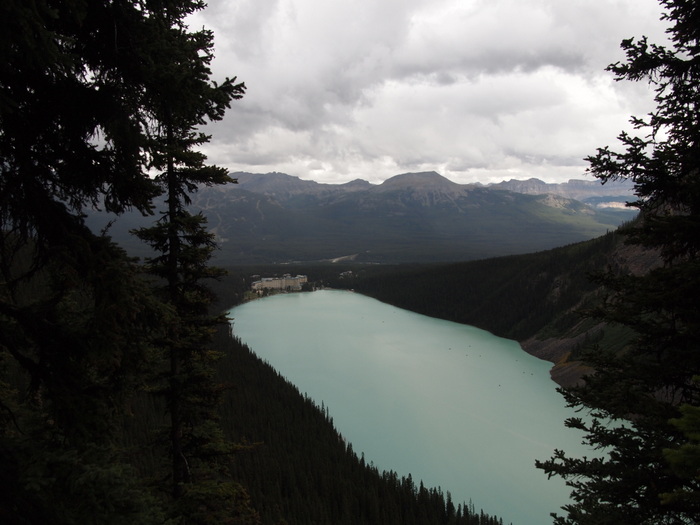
634	395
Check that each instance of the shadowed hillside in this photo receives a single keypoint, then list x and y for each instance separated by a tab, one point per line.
534	298
300	469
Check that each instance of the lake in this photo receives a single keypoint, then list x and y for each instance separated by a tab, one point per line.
453	405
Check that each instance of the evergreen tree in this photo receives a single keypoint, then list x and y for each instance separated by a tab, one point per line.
75	318
636	398
181	98
80	127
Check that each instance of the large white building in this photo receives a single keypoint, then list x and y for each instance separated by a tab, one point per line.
286	282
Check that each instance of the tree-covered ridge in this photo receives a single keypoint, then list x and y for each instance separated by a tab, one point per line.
537	299
299	469
513	296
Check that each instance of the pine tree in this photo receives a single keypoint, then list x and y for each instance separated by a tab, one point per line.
75	317
636	398
182	97
84	97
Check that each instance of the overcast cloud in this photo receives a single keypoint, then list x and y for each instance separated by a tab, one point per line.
477	90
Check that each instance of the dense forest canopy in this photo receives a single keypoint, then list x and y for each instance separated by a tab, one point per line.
96	97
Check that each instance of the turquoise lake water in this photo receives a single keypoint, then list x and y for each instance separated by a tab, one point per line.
453	405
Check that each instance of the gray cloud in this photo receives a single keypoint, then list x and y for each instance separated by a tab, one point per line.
475	89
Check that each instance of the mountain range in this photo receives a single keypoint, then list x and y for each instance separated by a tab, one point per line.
413	217
613	194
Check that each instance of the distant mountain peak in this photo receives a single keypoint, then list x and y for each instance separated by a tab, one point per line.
274	183
357	183
532	180
574	188
426	180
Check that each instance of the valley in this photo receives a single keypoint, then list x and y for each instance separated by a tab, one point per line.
413	217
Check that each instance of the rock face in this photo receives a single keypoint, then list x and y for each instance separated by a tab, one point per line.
567	370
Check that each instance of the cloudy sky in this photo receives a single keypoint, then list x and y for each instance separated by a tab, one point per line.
477	90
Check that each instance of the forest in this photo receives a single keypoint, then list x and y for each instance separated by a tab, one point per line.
124	398
509	296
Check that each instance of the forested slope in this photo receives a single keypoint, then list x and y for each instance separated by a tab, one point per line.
292	461
534	298
300	470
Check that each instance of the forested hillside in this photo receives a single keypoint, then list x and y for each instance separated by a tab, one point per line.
299	469
537	299
514	296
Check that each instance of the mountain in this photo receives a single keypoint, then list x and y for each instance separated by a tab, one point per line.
282	186
427	181
413	217
409	217
610	195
